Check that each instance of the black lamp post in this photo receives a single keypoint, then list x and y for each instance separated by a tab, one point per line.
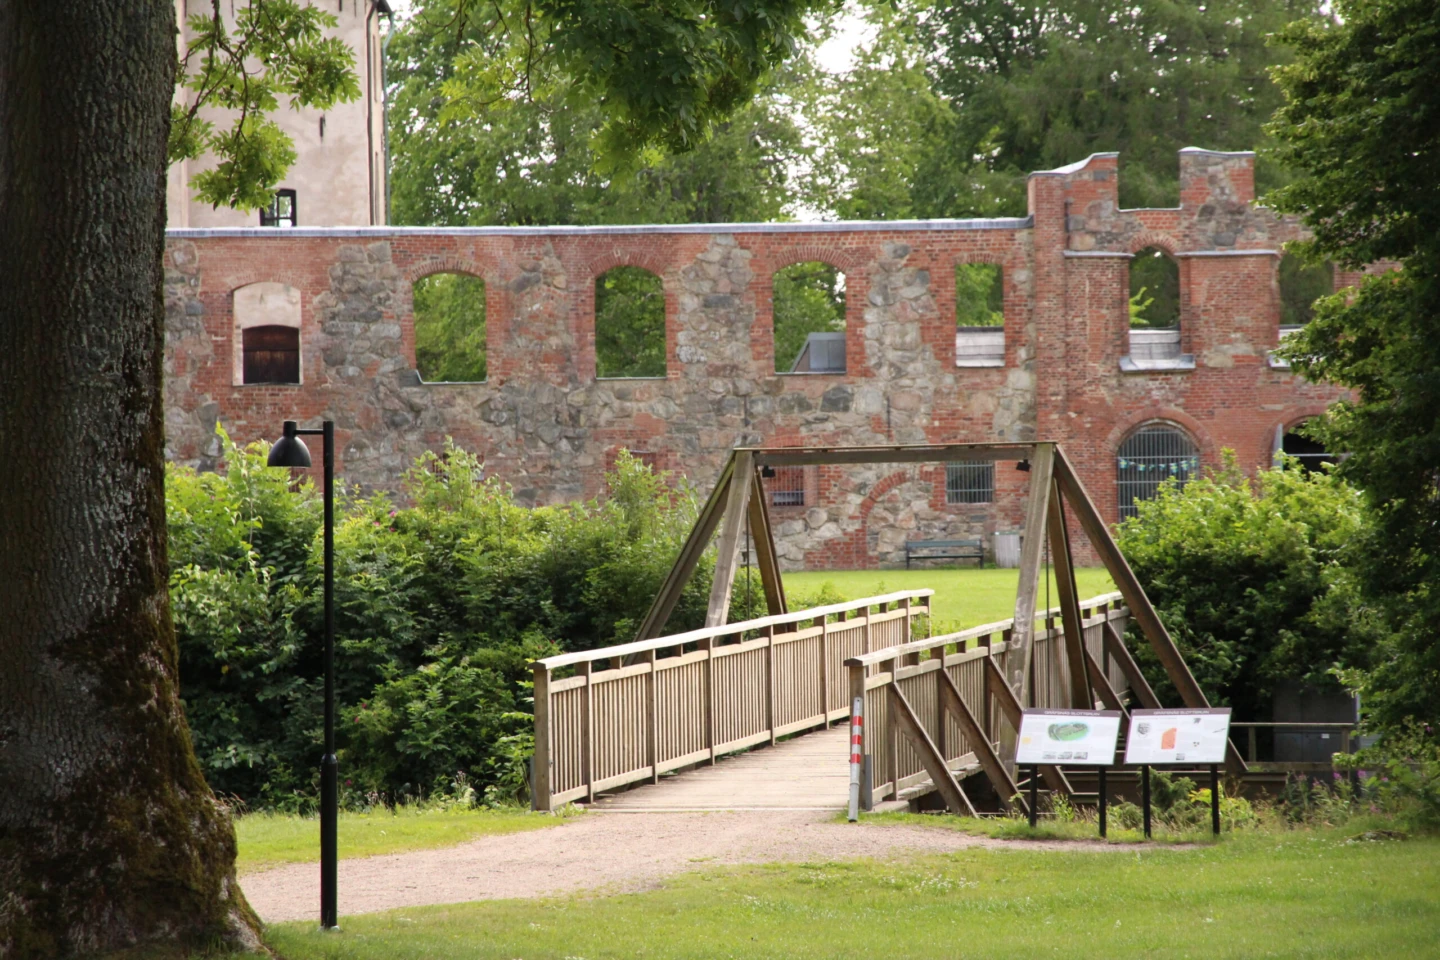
290	451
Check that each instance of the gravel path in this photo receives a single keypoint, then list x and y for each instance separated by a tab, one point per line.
600	853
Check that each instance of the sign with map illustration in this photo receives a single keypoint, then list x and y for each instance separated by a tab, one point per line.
1068	737
1189	735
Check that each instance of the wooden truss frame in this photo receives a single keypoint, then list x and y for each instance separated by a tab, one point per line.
1054	486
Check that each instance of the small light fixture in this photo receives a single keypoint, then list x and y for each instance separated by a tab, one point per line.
1023	466
289	450
768	472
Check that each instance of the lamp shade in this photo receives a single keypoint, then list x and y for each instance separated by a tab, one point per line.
289	450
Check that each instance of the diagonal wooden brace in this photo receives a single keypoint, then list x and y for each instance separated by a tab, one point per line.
1000	778
935	765
1010	706
1115	646
1107	693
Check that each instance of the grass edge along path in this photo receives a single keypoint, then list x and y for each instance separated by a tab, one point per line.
1298	893
271	839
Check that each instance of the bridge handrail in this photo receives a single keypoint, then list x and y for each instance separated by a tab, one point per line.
972	633
727	629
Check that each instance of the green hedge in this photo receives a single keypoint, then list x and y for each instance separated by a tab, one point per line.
440	607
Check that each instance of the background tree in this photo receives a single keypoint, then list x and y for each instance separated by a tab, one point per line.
1361	118
108	834
955	103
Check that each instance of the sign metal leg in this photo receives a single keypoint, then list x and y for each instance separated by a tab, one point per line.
1215	799
1103	801
1145	796
1034	795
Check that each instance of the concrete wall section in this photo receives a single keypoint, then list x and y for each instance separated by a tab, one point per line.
545	423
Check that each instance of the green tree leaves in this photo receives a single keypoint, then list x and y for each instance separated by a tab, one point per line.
1361	118
274	50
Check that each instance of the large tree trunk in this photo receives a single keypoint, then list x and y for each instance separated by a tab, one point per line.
108	834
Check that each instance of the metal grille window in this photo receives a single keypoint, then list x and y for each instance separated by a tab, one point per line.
1149	457
971	481
787	487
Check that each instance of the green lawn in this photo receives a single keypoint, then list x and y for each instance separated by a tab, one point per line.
1289	894
270	839
964	596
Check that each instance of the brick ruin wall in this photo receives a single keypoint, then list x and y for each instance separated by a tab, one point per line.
548	426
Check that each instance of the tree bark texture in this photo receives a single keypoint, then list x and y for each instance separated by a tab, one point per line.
109	836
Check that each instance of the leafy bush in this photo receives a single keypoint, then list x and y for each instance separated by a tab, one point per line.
439	608
1250	579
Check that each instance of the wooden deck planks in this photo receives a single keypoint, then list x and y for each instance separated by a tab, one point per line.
810	772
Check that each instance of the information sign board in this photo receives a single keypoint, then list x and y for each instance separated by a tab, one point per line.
1068	737
1188	735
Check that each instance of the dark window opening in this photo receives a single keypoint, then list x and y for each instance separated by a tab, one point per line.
281	212
1311	453
1154	290
272	354
629	323
970	482
808	305
1148	458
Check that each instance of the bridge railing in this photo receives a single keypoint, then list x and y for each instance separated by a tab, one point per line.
975	660
622	714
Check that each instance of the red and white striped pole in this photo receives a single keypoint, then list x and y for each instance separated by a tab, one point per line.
857	759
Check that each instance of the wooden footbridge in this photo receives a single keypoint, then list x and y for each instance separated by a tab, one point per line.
688	713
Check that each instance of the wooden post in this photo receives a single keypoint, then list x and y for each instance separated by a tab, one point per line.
708	645
588	720
764	540
1018	659
690	554
540	787
727	556
894	764
824	671
652	719
905	633
770	681
1081	696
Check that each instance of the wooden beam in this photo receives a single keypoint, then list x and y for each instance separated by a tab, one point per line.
540	790
1115	646
690	554
935	765
762	540
1129	585
1081	698
1022	644
1107	693
1000	778
1010	706
728	553
898	453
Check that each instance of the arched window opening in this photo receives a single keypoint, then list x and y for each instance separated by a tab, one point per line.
629	323
979	315
808	300
1311	454
1150	456
1154	306
1301	284
450	341
272	354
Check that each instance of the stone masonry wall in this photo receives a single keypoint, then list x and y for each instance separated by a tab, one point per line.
546	424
